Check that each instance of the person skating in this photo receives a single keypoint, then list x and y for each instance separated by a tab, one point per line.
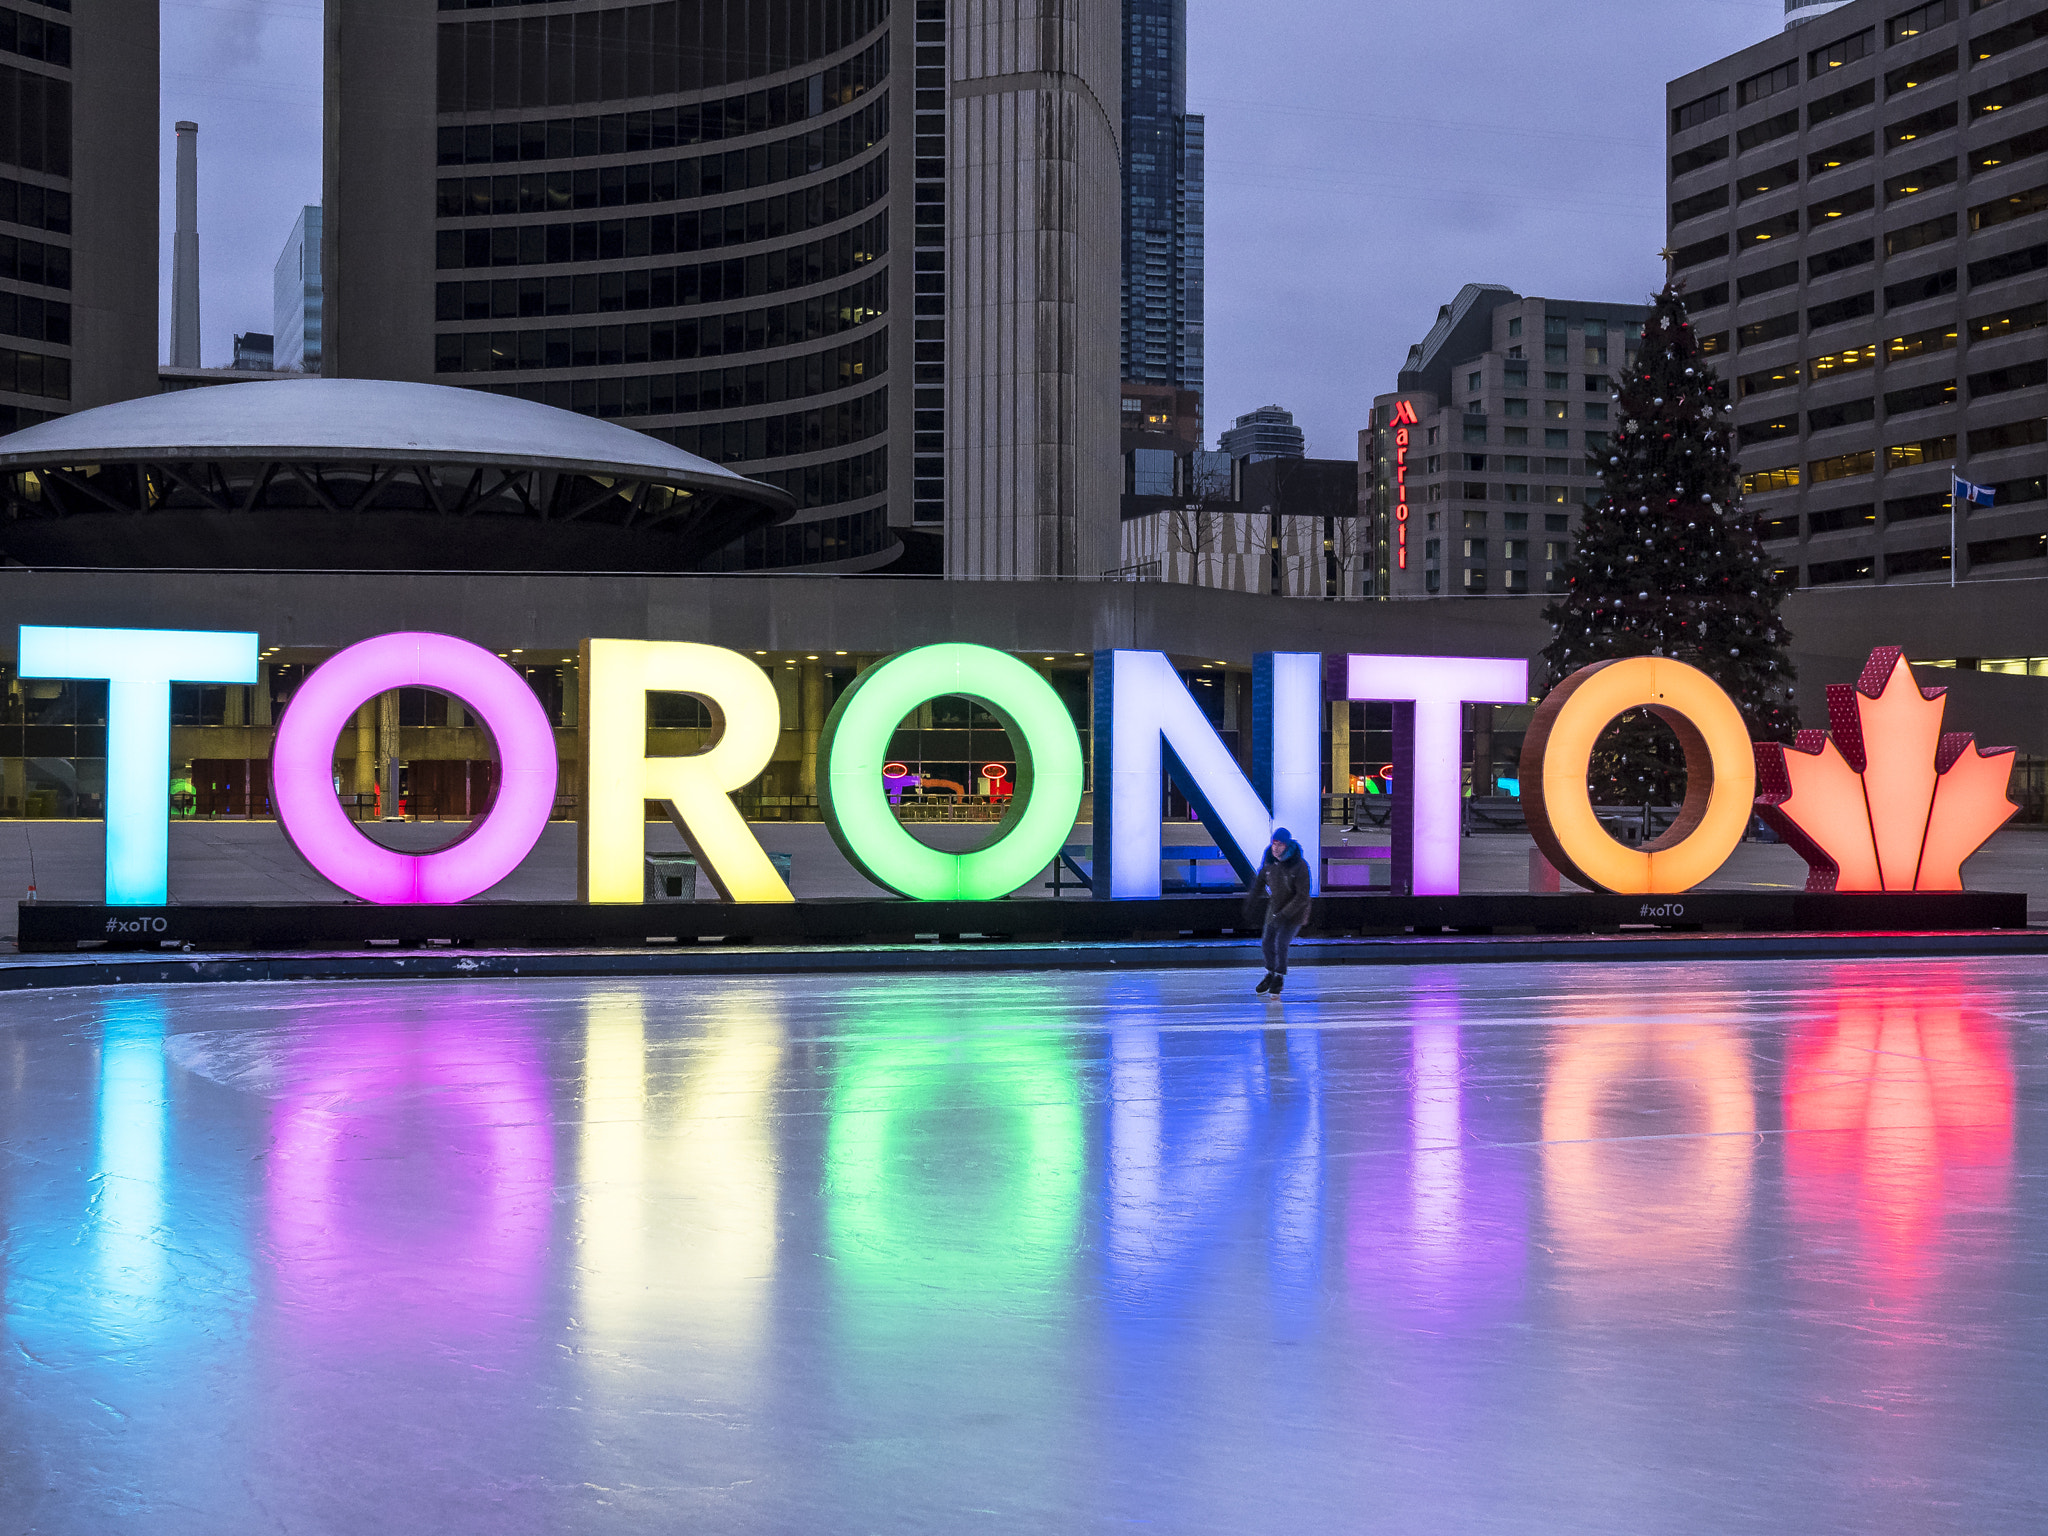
1284	880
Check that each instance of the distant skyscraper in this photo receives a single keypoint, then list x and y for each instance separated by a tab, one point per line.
296	289
1267	433
253	352
1162	323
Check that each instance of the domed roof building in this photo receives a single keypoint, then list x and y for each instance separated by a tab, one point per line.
364	474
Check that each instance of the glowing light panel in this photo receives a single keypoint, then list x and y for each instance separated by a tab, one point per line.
1429	694
302	771
1720	775
854	751
619	776
1147	722
138	666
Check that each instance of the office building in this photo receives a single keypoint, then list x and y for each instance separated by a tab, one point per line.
254	352
1267	433
295	296
1859	212
1163	201
78	201
1474	470
863	253
1799	12
1285	527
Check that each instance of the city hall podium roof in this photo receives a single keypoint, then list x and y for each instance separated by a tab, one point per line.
364	474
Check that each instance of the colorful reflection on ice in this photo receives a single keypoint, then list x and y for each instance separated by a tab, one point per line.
411	1173
1899	1119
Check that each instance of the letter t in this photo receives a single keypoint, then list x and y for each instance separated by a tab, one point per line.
1429	694
138	666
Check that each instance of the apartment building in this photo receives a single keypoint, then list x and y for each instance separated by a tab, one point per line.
1859	212
1473	473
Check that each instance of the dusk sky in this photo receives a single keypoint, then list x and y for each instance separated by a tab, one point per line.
1365	160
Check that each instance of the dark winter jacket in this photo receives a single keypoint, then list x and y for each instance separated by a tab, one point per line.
1286	880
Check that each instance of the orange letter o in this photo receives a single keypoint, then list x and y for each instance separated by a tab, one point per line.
1720	775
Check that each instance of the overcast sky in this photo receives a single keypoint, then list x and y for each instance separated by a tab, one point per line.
1366	158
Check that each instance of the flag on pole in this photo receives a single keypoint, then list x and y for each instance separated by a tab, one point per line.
1963	490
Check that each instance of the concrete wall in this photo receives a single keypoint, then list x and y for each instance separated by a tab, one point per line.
115	134
377	235
1033	283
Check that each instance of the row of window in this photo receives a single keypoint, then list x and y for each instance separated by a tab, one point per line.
1932	450
664	234
2011	322
664	181
706	389
30	373
747	277
570	57
1907	130
1553	410
1909	562
1475	583
847	537
32	261
1518	378
35	121
1916	290
1553	437
1510	549
1940	173
25	203
1848	50
726	442
1509	463
1898	402
743	330
678	127
1900	509
35	319
1987	215
34	38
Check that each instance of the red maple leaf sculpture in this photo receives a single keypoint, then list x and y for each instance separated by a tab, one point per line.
1883	801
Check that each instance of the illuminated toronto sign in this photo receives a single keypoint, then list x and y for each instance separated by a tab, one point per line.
1886	803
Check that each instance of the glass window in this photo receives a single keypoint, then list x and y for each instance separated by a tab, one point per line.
1515	326
1847	50
1556	522
1554	410
1472	381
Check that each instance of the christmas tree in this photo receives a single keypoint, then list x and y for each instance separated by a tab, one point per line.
1668	564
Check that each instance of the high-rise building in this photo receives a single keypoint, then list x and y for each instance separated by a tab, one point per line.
1163	201
861	251
1267	433
1475	469
1799	12
1859	213
295	295
255	352
78	197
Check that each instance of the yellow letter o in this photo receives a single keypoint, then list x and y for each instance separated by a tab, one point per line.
1720	775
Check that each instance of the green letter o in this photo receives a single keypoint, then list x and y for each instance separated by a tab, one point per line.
856	744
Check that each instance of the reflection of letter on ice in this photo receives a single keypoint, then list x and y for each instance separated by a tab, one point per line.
1651	1199
679	1181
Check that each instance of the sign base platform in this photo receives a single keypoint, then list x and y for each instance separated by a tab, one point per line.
51	926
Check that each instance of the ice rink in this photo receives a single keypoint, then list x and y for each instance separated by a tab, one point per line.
1702	1248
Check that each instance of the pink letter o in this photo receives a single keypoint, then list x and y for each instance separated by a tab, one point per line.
302	769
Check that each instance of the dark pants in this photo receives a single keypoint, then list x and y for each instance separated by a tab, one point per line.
1278	934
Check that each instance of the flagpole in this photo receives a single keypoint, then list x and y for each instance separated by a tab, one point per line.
1953	550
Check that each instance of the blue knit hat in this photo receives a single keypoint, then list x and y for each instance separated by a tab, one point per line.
1282	835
